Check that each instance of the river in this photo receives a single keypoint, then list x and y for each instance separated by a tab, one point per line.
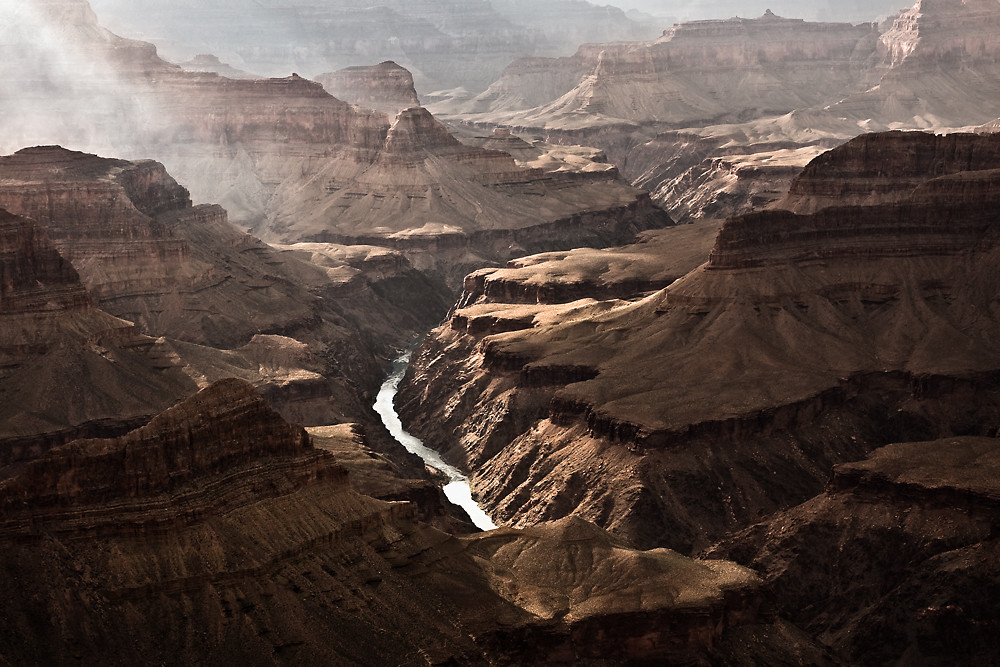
457	489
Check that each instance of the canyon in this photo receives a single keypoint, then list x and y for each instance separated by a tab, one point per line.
621	388
716	117
764	437
222	521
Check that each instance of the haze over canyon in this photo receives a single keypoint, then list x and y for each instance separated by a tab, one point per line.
700	303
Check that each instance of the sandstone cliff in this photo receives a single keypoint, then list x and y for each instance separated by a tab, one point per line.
886	168
804	341
218	533
895	561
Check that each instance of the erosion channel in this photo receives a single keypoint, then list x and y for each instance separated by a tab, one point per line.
457	489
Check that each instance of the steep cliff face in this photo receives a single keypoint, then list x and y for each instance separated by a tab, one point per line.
296	164
657	111
886	168
218	533
450	207
66	365
304	326
447	43
718	71
386	87
896	559
804	341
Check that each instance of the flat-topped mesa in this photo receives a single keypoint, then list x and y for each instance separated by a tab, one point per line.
886	167
935	31
706	71
386	87
225	428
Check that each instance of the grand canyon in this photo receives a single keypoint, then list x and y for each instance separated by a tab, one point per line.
499	333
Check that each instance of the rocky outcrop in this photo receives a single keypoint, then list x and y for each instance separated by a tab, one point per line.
67	367
386	87
217	532
296	164
885	168
895	560
184	273
803	342
450	207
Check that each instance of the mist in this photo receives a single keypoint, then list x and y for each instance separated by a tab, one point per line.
58	85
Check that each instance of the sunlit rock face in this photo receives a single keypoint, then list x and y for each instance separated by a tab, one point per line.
712	119
803	341
706	71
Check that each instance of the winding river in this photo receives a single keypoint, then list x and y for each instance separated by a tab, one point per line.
457	489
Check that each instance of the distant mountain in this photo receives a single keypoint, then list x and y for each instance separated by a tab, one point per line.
445	43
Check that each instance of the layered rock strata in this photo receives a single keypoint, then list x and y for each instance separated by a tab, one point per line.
290	161
67	367
656	108
386	87
698	72
449	44
804	341
895	561
218	533
288	319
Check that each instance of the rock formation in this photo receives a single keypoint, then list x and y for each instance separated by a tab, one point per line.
695	73
712	118
285	158
386	87
184	273
875	169
804	341
218	533
435	199
67	367
448	44
896	560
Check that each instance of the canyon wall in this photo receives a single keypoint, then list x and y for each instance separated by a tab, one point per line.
218	533
803	341
895	559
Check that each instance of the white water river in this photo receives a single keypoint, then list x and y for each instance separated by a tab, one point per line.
457	489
